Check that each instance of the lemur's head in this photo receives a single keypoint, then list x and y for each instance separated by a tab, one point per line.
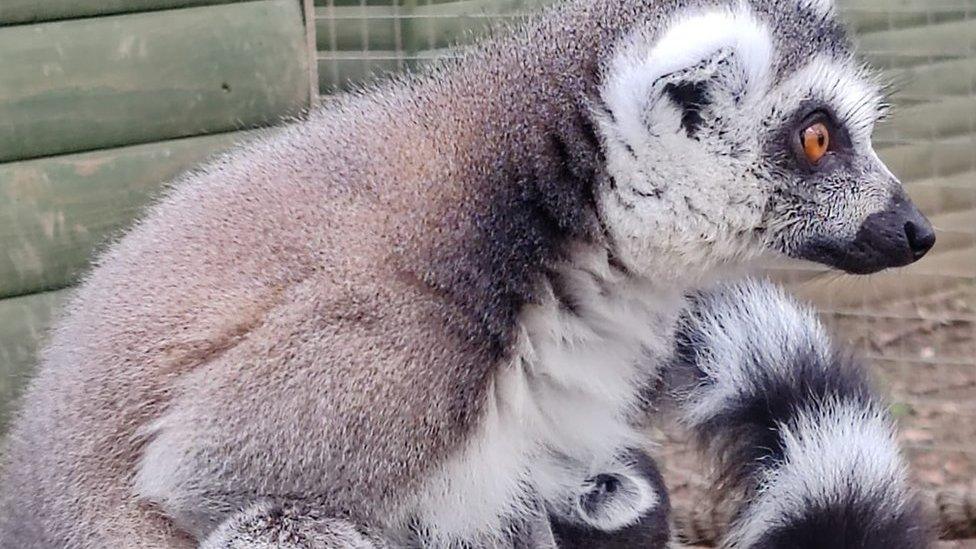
737	129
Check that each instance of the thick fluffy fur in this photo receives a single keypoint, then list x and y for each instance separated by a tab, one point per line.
269	525
793	426
432	311
549	423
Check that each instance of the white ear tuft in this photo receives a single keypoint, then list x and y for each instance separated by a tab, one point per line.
643	60
689	41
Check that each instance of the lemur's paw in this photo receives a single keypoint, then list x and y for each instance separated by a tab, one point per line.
625	506
611	501
286	526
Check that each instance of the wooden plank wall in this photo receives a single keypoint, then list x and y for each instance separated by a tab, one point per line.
24	324
18	12
358	40
104	82
104	101
54	212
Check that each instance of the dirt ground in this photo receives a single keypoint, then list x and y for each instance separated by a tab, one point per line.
923	353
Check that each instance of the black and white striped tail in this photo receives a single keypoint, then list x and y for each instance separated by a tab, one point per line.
793	426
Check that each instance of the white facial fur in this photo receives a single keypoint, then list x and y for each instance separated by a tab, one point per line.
849	89
682	203
823	7
701	200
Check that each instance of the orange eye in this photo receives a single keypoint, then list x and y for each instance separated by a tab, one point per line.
816	142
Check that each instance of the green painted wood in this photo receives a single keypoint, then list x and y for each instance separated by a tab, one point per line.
933	80
113	81
350	25
443	25
341	71
413	29
56	212
360	40
958	180
920	45
930	158
934	200
400	3
942	117
874	15
24	324
34	11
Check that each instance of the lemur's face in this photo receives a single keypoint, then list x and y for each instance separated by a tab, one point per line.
738	131
831	199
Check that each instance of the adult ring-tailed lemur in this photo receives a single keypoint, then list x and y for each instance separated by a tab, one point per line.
436	312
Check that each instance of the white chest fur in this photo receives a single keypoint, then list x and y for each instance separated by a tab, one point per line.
564	408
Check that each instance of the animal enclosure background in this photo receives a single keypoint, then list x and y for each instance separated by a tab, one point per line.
101	102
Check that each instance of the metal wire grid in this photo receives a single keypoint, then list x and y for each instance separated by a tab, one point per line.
918	326
358	39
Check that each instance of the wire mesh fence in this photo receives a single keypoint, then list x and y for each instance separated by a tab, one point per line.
358	39
918	325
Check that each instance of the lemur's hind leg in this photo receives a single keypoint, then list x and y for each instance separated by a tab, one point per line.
793	426
624	506
288	526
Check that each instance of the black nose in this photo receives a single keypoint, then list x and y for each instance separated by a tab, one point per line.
920	236
894	237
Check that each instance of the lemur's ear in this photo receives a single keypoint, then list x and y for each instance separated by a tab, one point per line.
717	55
692	89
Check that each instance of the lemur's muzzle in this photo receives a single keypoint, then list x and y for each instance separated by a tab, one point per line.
895	237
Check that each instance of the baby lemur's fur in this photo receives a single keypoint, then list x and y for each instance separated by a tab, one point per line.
430	313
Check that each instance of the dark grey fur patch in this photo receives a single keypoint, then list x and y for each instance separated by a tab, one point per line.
858	523
691	97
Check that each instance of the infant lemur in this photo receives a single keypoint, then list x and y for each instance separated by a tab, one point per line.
438	312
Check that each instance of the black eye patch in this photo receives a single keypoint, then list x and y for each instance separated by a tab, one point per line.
691	97
784	146
835	133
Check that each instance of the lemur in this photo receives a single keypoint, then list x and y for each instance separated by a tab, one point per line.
433	312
